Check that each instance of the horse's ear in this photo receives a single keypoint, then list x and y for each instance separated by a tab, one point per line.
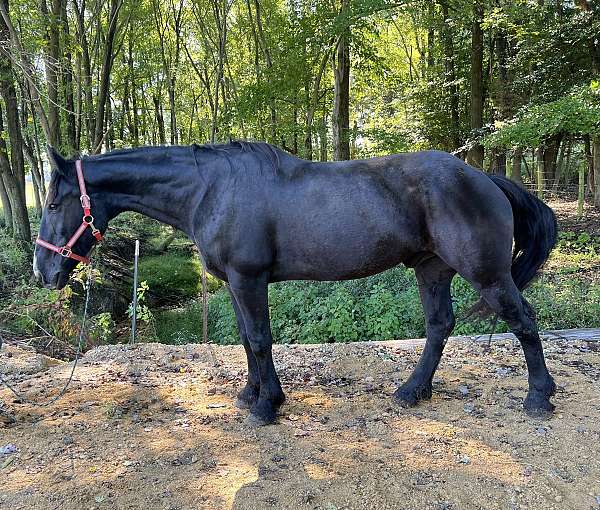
57	162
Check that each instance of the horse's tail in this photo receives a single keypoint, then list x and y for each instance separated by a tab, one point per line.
535	231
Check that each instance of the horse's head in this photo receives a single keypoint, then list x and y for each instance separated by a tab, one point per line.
61	219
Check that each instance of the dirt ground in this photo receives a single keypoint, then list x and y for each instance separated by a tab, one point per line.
153	427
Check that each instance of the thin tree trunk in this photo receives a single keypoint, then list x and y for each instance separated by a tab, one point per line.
596	163
107	62
51	65
16	196
71	142
6	207
450	79
341	99
516	166
539	175
475	154
86	72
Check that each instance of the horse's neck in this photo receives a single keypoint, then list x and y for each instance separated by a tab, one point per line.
166	187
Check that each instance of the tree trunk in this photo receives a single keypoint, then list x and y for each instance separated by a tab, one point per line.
71	143
341	99
16	196
596	162
51	64
516	166
475	154
589	158
86	73
539	174
107	62
450	79
6	207
28	150
312	107
323	139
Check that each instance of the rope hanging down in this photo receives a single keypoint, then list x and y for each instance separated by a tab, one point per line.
75	361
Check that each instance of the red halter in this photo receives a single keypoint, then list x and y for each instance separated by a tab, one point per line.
88	221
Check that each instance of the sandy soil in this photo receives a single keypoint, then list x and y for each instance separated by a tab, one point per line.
153	427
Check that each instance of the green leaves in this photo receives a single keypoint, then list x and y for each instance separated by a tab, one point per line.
577	113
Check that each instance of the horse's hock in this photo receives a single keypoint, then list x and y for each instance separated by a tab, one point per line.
154	426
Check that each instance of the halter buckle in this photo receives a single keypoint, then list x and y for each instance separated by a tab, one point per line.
85	201
66	252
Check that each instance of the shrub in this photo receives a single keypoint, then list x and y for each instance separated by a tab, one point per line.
175	275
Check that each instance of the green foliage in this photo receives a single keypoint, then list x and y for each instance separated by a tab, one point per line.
577	113
14	263
172	274
381	307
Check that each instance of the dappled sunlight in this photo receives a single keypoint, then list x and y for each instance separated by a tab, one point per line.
431	444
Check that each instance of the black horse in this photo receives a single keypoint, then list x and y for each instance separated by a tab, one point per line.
259	215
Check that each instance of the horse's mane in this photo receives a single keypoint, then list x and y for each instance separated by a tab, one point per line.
266	153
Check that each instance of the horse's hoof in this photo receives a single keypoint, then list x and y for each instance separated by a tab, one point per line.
242	404
246	398
255	421
541	410
411	396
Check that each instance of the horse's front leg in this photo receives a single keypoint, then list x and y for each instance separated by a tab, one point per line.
248	396
250	294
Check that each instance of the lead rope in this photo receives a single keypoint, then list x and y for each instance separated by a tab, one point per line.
20	396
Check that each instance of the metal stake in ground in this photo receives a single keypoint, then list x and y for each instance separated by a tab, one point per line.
135	286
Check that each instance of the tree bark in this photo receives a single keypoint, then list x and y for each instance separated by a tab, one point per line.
71	147
16	195
450	79
516	166
6	207
107	62
51	65
476	154
341	100
86	72
596	163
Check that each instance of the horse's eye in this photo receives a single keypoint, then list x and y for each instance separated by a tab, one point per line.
52	207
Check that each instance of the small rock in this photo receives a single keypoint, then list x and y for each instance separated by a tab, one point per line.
502	371
211	391
528	471
463	390
464	459
8	449
215	406
581	429
469	408
598	500
558	498
542	431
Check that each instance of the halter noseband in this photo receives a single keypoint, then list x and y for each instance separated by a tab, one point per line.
88	221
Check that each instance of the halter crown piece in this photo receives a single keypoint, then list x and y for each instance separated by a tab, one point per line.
87	221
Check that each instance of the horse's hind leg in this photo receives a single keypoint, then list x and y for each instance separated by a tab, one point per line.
506	300
434	278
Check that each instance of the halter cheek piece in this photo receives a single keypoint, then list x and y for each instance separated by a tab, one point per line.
87	221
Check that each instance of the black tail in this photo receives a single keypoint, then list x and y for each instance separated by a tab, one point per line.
535	231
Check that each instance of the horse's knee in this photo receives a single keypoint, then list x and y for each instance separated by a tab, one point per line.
260	345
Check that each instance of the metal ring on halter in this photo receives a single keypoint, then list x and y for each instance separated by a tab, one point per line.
65	251
88	219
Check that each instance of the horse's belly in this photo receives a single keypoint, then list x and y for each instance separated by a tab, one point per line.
341	257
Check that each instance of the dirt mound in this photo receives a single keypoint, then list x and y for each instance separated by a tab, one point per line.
153	426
